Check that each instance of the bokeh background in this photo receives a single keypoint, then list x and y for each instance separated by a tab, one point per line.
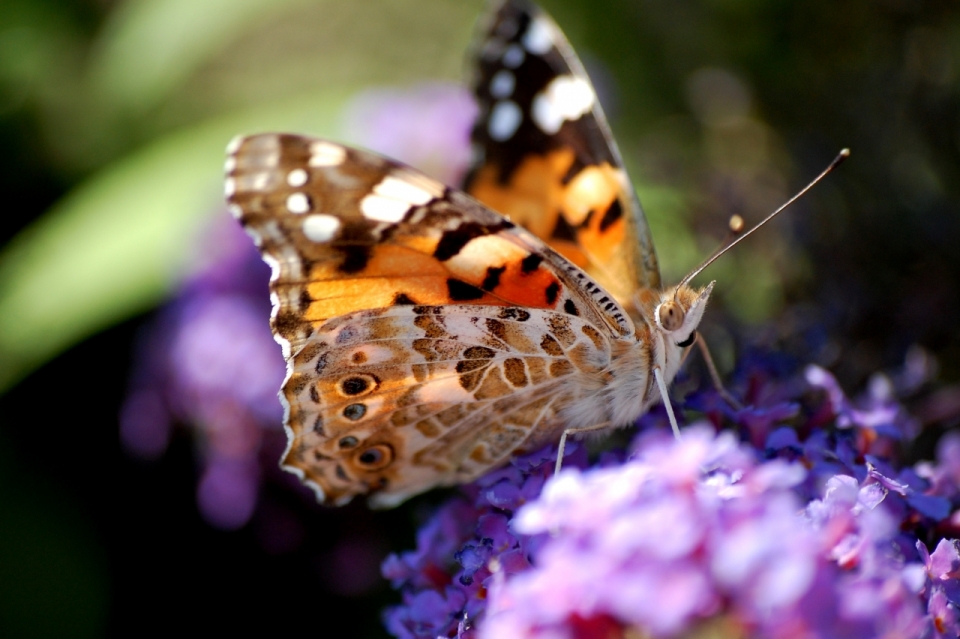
113	120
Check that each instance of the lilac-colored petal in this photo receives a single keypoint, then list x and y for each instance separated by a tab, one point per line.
936	508
915	577
951	588
887	482
777	474
783	437
641	531
871	495
496	528
946	620
784	580
513	562
663	602
945	560
842	492
503	494
472	557
821	378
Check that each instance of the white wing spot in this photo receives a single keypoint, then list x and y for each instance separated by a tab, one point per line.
408	188
234	145
504	120
230	164
235	210
229	187
566	98
320	227
298	203
297	177
539	37
383	209
502	84
326	154
513	56
260	181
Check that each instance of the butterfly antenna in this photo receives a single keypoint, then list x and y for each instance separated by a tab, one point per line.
736	222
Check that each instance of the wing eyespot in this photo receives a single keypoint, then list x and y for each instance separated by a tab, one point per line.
375	457
355	412
356	385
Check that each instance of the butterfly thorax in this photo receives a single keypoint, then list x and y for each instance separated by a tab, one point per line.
666	323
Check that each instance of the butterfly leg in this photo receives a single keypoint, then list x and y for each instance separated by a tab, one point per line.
715	376
574	431
666	401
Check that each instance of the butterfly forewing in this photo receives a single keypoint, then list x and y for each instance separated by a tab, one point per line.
425	334
544	155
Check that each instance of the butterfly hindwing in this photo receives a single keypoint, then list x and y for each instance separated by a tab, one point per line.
394	401
544	155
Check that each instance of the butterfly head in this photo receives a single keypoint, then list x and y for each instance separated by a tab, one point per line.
680	310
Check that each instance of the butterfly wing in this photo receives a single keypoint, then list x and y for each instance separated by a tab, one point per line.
544	154
425	335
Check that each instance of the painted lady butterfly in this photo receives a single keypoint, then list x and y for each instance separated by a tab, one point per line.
428	337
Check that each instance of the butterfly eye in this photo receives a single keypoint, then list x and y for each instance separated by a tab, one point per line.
688	341
671	315
376	457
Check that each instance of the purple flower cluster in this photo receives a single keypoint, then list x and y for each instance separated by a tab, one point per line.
444	581
812	532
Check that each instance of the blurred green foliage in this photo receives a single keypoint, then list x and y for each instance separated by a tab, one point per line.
114	116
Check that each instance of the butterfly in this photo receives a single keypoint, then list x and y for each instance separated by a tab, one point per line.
432	333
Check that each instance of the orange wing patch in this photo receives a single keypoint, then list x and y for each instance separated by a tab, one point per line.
394	237
579	216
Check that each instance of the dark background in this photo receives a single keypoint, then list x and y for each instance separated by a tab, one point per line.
720	107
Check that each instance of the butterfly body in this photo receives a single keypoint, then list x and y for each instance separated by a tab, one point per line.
429	337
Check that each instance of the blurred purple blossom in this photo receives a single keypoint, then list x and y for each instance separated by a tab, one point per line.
427	126
210	363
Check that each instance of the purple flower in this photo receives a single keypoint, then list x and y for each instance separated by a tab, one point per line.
458	549
944	475
812	532
943	568
944	615
876	415
698	530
